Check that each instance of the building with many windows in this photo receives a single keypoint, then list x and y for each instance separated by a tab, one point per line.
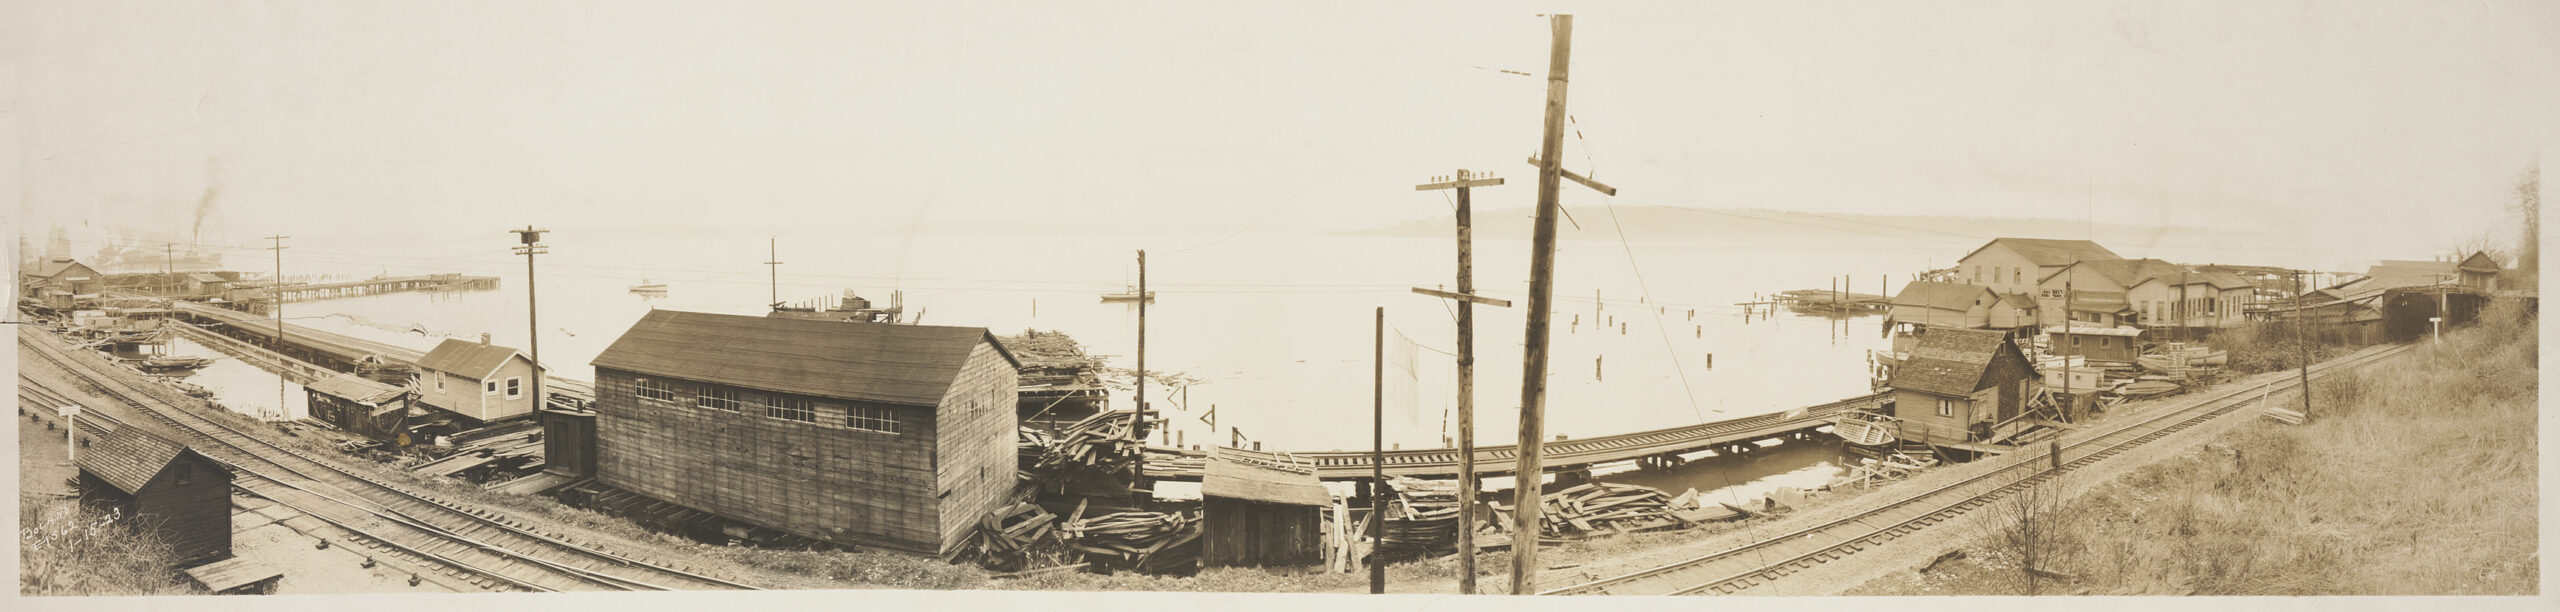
862	434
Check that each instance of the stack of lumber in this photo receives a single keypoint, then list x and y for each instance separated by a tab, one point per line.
515	447
1028	445
1015	538
1422	520
1600	508
1105	443
1149	542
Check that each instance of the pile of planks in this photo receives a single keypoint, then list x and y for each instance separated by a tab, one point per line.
1149	542
512	447
1600	508
1105	443
1422	520
1015	538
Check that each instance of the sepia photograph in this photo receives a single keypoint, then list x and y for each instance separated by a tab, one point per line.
1114	303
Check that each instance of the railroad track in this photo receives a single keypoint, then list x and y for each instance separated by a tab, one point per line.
482	547
1769	559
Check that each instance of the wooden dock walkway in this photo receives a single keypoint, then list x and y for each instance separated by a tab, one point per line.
1561	455
338	351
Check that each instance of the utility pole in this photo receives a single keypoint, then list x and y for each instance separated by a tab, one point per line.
169	266
278	288
1467	299
531	246
1542	285
1378	454
2298	340
1139	429
773	269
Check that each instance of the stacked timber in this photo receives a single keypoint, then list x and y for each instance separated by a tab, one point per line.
1028	445
1016	538
515	446
1422	520
1106	443
1149	542
1600	508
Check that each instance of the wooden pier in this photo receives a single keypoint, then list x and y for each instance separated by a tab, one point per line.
375	286
337	351
1565	455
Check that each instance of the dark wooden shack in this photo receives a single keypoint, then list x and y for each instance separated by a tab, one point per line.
1960	385
362	407
569	443
1256	513
862	434
162	487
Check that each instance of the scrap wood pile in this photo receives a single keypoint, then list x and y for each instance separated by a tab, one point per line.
511	447
1024	537
1422	521
1106	443
1600	508
1028	445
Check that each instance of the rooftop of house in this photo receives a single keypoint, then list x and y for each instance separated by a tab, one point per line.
476	360
129	458
1944	296
2123	272
355	388
2050	252
881	362
1949	361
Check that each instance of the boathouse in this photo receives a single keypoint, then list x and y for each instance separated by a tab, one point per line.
1935	304
1260	513
362	407
205	284
861	434
163	487
1959	385
2119	344
479	381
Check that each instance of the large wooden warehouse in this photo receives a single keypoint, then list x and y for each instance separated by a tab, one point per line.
862	434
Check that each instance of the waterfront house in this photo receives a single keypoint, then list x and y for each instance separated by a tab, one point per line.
479	381
862	434
1960	385
1935	304
2199	300
161	486
2017	265
1258	513
2013	311
2120	344
205	284
61	283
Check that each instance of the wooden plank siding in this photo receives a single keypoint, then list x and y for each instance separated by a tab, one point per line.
193	516
820	480
1240	533
975	457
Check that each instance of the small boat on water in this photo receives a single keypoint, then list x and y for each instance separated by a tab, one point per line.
1129	295
647	287
163	364
2178	358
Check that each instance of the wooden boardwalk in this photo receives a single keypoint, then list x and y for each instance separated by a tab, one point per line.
373	286
336	350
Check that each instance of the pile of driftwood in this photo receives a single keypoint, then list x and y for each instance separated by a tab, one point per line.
1598	509
1024	538
1106	443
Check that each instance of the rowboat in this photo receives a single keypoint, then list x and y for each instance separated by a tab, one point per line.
173	363
649	287
1130	295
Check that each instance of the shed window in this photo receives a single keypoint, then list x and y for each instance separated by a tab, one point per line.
654	390
868	418
722	398
1946	408
186	473
790	409
2075	341
439	383
2017	275
490	386
515	387
2106	343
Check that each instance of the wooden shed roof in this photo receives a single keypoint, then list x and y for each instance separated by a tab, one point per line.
881	362
2050	252
1949	361
129	458
1233	477
355	388
1943	296
471	359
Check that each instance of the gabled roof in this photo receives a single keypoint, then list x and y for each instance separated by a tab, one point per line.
129	458
2405	270
1949	361
1232	477
2124	272
471	359
355	388
2019	301
54	267
206	277
881	362
1943	296
2480	261
2049	252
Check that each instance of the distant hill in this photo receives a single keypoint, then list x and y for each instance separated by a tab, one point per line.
1676	224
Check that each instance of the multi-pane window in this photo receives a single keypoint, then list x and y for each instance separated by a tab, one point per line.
654	390
492	387
1946	408
869	418
790	409
722	398
515	387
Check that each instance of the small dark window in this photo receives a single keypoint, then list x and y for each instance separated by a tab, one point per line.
186	473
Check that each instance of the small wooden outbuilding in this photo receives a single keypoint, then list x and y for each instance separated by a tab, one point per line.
164	488
479	381
362	407
1257	513
1959	385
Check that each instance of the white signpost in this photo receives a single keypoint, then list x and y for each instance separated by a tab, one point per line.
70	431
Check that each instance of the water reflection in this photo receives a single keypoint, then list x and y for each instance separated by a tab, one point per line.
236	386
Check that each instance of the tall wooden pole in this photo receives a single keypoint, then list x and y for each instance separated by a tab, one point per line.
773	274
531	245
279	308
1139	430
1542	257
1463	182
1378	454
2305	345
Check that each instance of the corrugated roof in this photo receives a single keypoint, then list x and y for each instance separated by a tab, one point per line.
882	362
355	388
1237	478
2049	252
1944	296
129	458
1949	361
471	359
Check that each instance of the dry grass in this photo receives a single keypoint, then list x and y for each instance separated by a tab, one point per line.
2416	477
65	549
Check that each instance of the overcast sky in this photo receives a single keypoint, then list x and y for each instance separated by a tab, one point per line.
2403	123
